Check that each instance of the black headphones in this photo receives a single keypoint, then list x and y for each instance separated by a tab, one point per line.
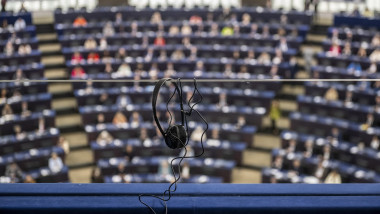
175	135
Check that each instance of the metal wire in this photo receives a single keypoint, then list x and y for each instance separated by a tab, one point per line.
168	192
191	80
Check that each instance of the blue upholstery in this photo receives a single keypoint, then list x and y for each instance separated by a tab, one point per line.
191	198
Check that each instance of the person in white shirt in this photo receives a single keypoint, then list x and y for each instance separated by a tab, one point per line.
108	29
333	178
20	24
8	50
124	71
55	163
123	100
196	136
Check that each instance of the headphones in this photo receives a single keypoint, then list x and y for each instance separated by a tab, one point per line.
175	135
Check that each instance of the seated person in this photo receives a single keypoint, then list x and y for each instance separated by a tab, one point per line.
90	43
119	119
196	135
24	109
170	71
135	120
335	134
7	110
134	28
186	30
80	21
41	126
104	138
295	168
104	99
118	18
241	122
164	169
214	30
103	44
108	29
334	50
121	54
189	151
308	150
19	133
264	58
153	72
29	179
320	171
78	72
356	12
186	42
375	143
19	75
160	41
173	30
362	52
100	119
77	58
14	172
108	69
246	19
283	45
144	138
55	163
333	178
372	68
355	68
185	173
368	13
331	94
163	56
278	162
222	100
227	31
194	19
20	24
347	49
376	40
156	18
24	49
265	31
3	96
64	144
199	69
124	70
8	49
375	56
123	100
93	57
177	55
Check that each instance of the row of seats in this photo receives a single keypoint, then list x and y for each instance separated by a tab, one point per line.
31	147
117	116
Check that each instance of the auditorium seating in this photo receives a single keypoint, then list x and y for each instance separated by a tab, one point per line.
236	56
336	129
29	137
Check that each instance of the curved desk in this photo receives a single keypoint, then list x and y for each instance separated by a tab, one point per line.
191	198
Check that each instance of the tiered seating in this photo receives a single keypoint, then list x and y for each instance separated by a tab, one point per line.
337	127
29	139
134	151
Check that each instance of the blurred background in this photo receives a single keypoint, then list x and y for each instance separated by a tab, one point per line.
77	79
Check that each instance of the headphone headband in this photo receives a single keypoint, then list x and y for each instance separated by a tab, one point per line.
156	91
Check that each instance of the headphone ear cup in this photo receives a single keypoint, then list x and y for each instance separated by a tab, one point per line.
176	137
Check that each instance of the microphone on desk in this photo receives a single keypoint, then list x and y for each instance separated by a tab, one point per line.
176	136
